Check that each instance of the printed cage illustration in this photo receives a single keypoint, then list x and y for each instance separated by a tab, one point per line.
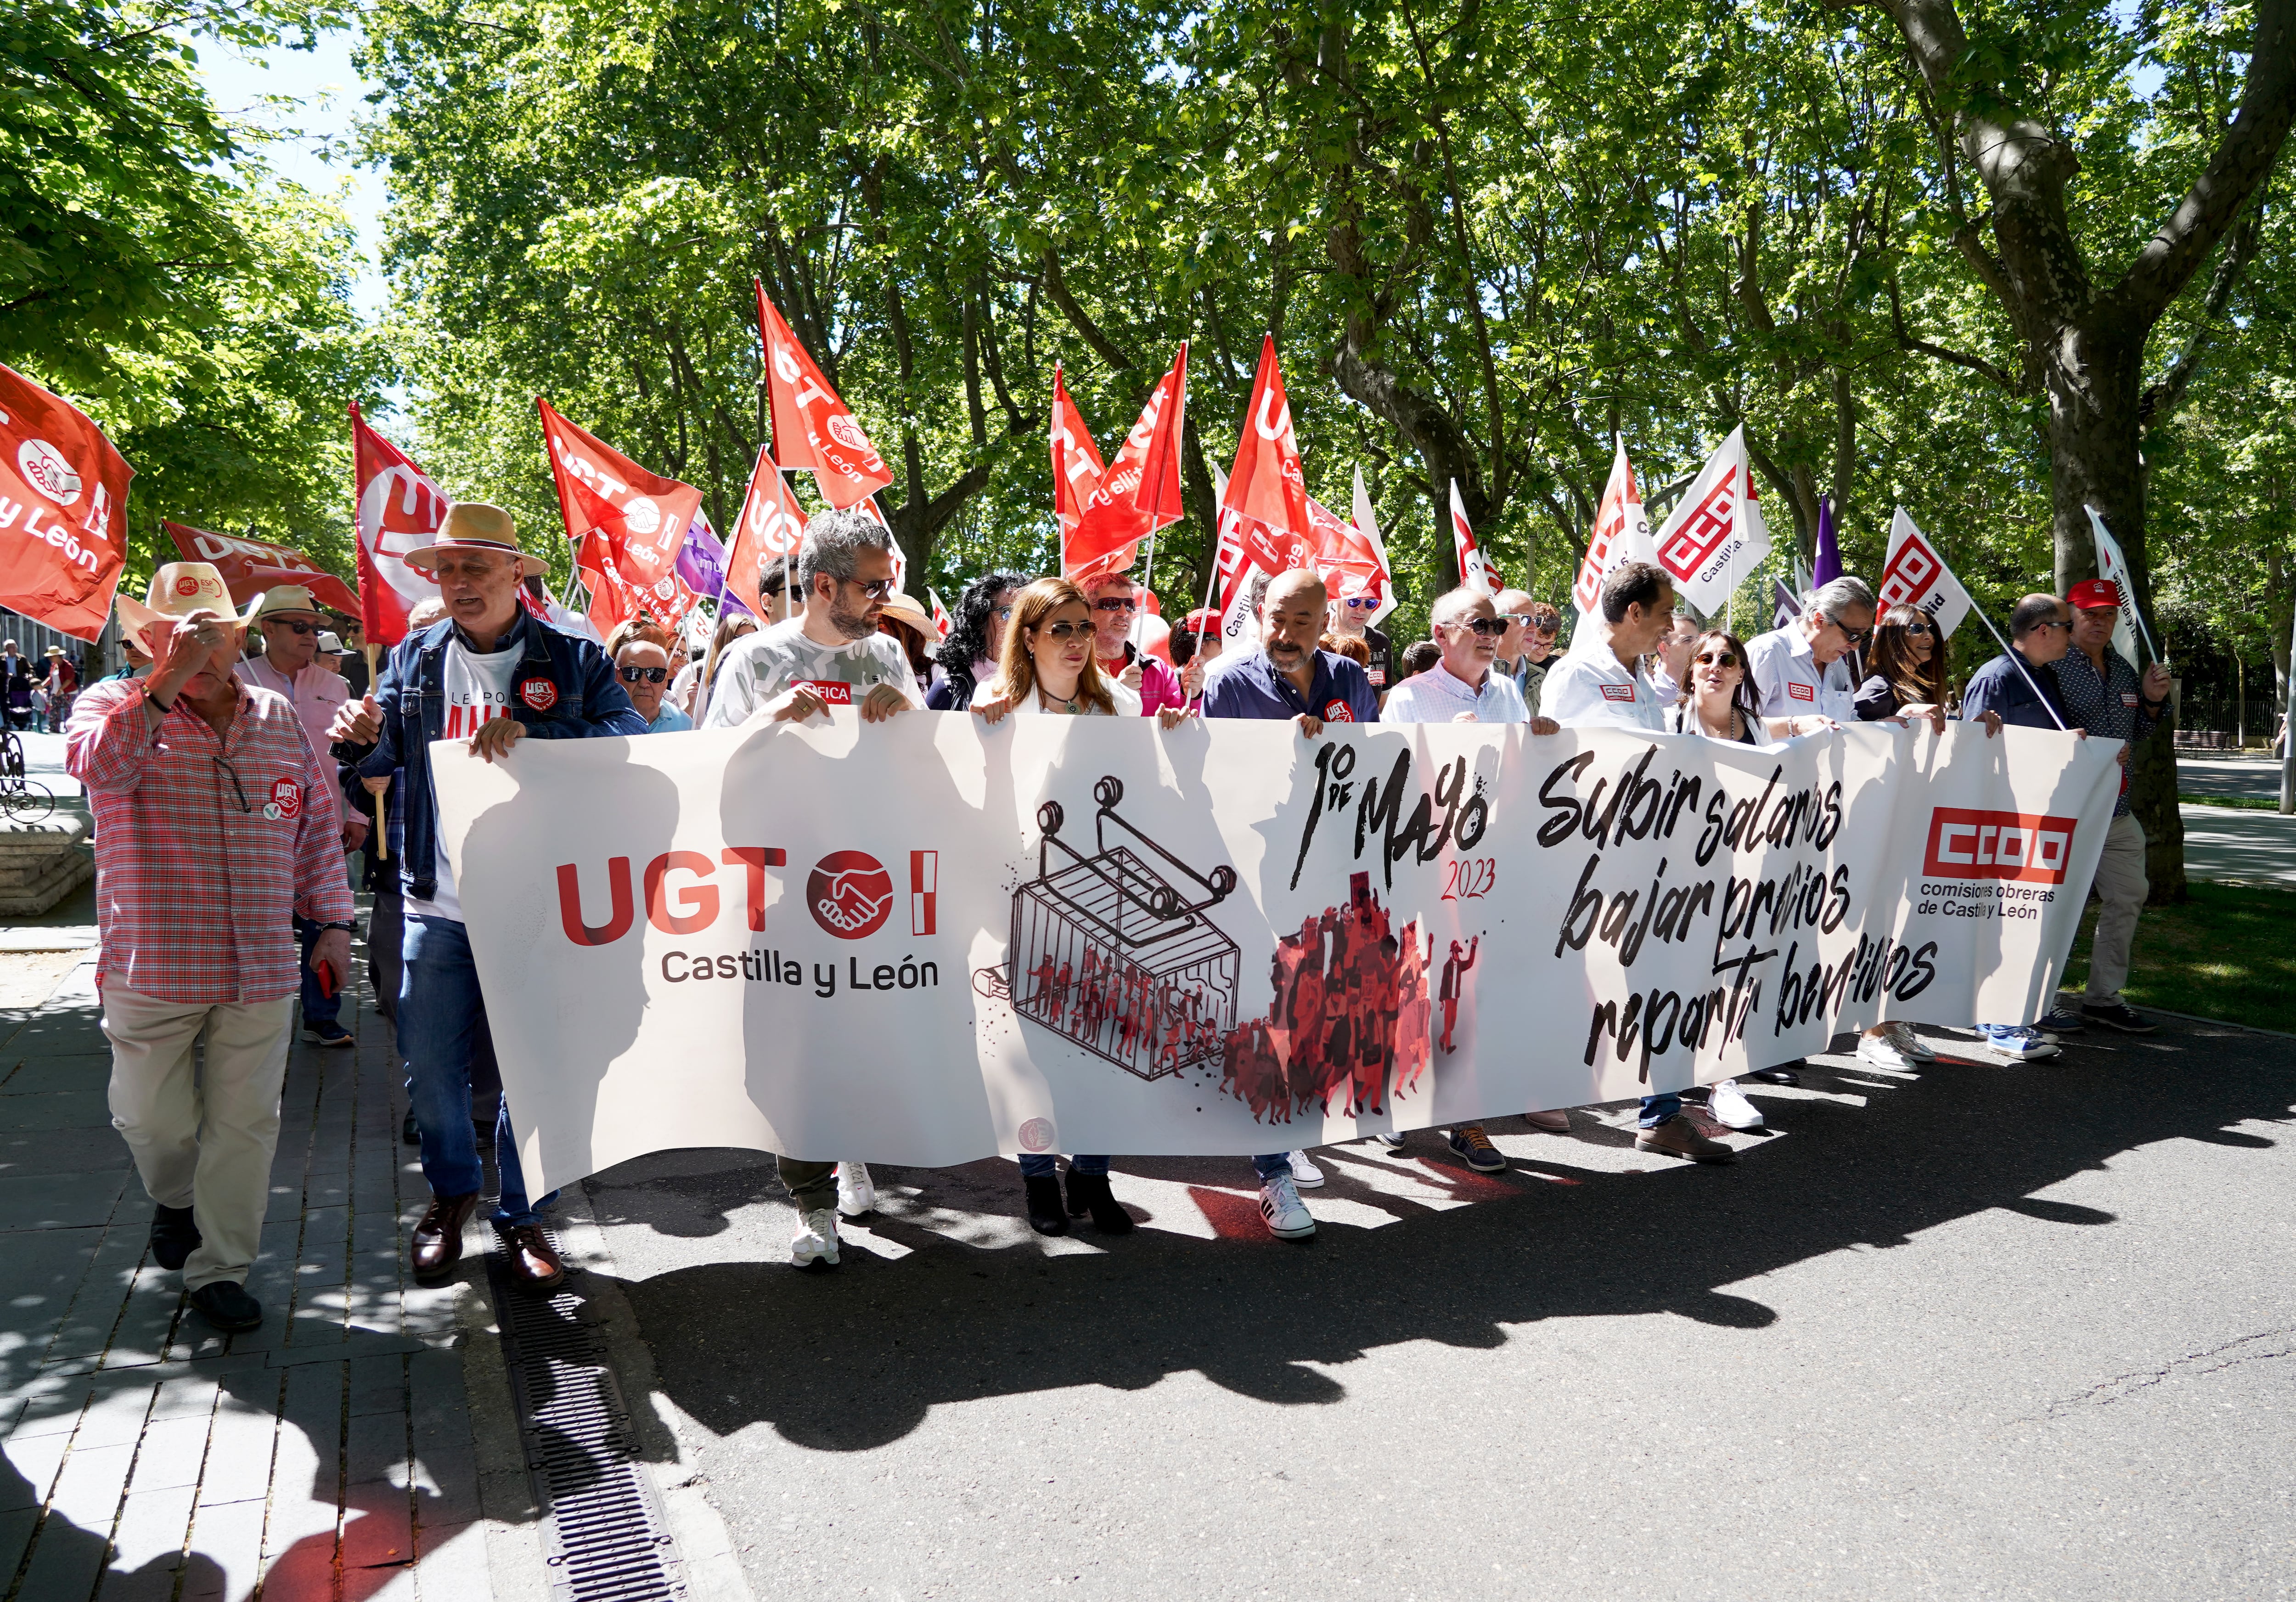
1109	952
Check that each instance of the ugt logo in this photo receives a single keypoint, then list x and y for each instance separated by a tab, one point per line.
1969	843
851	894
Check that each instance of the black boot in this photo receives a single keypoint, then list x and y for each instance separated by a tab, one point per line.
1089	1193
1046	1216
174	1236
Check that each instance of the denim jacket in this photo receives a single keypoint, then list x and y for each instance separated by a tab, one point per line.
413	697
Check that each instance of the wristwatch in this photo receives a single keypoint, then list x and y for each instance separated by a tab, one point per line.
346	928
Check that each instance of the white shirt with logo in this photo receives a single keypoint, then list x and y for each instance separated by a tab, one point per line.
1439	695
1788	682
757	669
1591	687
478	690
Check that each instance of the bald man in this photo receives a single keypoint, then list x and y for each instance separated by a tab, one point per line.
1286	676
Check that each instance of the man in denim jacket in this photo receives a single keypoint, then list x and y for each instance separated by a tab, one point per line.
492	674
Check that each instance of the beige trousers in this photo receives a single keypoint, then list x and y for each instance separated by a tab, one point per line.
202	1141
2121	887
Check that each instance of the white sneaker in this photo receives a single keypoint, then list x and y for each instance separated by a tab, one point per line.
815	1240
1287	1216
1883	1052
856	1194
1729	1103
1902	1036
2020	1043
1305	1173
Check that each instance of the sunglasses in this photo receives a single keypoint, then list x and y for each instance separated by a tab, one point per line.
1488	628
1923	630
2067	627
1062	631
1715	659
876	589
1116	603
290	623
1004	614
1856	637
1360	602
634	674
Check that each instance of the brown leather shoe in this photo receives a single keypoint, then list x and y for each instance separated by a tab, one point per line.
1677	1136
438	1244
532	1263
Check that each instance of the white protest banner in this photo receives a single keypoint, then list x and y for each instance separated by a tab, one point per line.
1916	575
923	943
1715	536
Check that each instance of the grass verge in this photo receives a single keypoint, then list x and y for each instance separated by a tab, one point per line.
2223	954
2246	803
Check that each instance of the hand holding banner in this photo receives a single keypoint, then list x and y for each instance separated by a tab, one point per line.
61	563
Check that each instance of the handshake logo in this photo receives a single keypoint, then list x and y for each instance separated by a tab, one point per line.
851	894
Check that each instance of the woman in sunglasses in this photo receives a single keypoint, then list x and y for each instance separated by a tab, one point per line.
1049	669
641	667
1906	663
1718	701
969	657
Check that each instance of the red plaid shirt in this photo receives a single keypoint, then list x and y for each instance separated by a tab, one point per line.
205	849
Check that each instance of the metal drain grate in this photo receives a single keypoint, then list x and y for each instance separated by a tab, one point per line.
607	1539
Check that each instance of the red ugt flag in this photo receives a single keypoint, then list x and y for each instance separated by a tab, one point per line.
639	517
1267	486
1141	491
1077	466
399	510
251	566
63	511
812	428
767	537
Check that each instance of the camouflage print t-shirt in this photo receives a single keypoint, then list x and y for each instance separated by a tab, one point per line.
759	668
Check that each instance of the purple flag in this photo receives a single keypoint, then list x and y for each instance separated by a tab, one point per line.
701	562
1828	565
1785	607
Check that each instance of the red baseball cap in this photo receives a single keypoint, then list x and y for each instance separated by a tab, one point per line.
1203	618
2090	593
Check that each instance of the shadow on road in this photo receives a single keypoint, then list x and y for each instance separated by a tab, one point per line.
854	1359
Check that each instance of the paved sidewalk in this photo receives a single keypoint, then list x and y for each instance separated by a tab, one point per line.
148	1458
2250	846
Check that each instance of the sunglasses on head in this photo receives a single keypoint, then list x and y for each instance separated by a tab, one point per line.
1716	659
290	623
1062	631
1116	603
1488	628
633	674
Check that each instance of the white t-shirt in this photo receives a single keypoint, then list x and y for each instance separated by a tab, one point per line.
756	670
1591	687
478	691
1788	682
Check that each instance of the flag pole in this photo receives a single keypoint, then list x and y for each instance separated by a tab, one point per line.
2007	652
381	827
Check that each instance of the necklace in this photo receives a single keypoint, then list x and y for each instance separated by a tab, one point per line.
1046	701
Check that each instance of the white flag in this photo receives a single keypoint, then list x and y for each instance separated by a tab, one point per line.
1367	525
1916	575
1622	534
1474	567
1715	535
2110	564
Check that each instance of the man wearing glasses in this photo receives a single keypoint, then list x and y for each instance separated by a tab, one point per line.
1115	608
1351	616
831	654
216	832
490	673
1804	667
282	657
643	667
1533	627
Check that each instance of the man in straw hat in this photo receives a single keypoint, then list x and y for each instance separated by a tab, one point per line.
491	673
216	831
282	656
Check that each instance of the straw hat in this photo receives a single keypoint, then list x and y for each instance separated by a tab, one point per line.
178	590
903	609
281	599
469	526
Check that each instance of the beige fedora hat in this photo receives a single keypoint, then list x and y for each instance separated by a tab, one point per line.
469	526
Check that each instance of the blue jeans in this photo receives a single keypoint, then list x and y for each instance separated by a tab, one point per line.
1661	1109
1041	1166
318	1008
439	1011
1273	1165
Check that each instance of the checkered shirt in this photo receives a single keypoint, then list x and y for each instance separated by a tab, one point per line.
199	877
2109	705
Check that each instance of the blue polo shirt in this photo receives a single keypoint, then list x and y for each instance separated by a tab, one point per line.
1250	686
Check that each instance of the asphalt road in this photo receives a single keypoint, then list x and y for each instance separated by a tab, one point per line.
2015	1332
2251	776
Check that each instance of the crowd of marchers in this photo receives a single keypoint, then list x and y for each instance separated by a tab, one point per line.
231	769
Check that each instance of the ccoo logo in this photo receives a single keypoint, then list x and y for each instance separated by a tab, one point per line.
1968	843
849	894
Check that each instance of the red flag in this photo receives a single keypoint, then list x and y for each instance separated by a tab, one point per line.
1621	534
1475	569
769	531
1117	519
251	566
1077	466
63	511
1348	563
1249	547
641	517
1267	486
399	510
812	428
